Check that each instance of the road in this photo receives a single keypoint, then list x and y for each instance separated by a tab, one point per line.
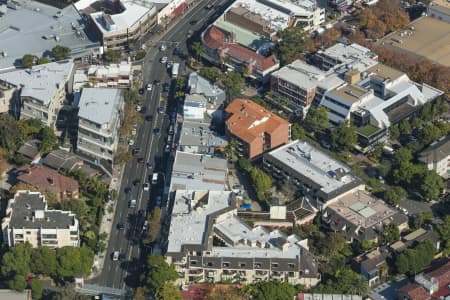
118	274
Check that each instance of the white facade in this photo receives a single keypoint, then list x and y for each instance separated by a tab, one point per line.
28	220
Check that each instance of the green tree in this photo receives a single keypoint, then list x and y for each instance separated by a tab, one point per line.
18	283
154	225
344	137
297	132
17	261
77	206
430	134
233	82
261	183
405	173
265	290
291	44
404	127
169	292
394	132
211	73
49	141
394	194
73	261
391	233
158	273
344	281
422	218
403	155
230	151
10	135
28	60
198	49
37	287
43	60
60	52
412	261
112	56
68	292
317	119
43	261
431	185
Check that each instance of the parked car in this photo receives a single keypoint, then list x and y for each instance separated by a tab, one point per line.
141	160
163	47
149	87
146	187
148	118
115	255
167	148
120	226
163	59
131	142
145	226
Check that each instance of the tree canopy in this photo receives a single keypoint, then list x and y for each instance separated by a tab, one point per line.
297	132
158	272
344	137
265	290
391	233
28	60
60	52
73	261
233	82
169	292
345	281
394	194
412	261
317	119
291	44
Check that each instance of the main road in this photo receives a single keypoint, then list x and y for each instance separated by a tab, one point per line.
125	272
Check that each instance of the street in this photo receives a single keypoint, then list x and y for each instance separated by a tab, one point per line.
128	241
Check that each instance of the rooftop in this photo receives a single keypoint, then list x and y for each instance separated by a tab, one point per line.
199	85
436	152
314	164
351	93
317	296
43	27
100	105
62	160
199	134
46	179
40	82
362	209
300	73
249	120
29	210
198	172
351	56
429	39
112	70
14	295
190	214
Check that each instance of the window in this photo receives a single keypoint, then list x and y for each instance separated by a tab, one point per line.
291	266
210	264
193	262
242	265
274	265
49	236
28	232
226	264
18	236
74	232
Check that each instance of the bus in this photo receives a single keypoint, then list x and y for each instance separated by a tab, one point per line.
175	68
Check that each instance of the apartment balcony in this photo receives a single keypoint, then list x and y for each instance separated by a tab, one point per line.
196	272
225	277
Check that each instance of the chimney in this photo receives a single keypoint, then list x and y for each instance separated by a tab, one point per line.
50	180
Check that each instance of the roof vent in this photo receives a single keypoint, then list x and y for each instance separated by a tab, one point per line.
50	180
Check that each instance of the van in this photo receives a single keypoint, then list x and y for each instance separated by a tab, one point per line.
155	178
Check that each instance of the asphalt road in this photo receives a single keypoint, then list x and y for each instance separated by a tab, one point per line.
119	274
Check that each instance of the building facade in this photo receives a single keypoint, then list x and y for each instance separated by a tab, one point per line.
437	157
29	220
100	117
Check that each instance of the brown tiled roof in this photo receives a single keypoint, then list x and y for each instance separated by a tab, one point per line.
214	38
30	149
415	291
442	274
46	179
245	115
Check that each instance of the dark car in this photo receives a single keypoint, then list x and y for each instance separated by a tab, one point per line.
143	109
176	51
166	87
149	165
148	118
157	82
120	226
156	131
136	151
127	190
161	110
136	182
193	22
141	160
141	91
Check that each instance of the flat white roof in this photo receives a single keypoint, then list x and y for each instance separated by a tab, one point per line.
352	56
302	74
100	105
325	171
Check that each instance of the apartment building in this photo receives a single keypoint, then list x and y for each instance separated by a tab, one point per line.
245	254
100	116
197	85
48	180
29	220
38	92
121	22
197	137
318	176
110	76
255	129
437	157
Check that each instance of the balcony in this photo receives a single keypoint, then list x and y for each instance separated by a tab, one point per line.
196	272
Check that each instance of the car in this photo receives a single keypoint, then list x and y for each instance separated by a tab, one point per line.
161	110
131	142
149	165
167	148
127	190
145	226
163	47
158	201
115	255
209	6
120	226
163	59
157	82
141	91
149	87
189	33
138	108
146	187
157	131
166	87
193	22
136	150
141	160
136	181
176	51
132	203
133	131
169	139
169	65
148	118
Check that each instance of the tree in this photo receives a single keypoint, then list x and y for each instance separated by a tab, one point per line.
404	127
291	44
391	233
430	134
43	60
228	292
158	273
28	60
394	195
154	225
344	281
77	206
198	49
60	52
233	82
271	290
262	183
403	155
112	56
394	132
18	283
344	137
37	287
431	185
17	261
68	292
210	73
49	141
43	261
169	292
73	261
317	119
230	151
297	132
412	261
10	135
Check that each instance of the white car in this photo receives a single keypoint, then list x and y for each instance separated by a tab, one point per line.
145	226
163	47
138	108
133	131
116	255
149	87
131	142
146	187
163	59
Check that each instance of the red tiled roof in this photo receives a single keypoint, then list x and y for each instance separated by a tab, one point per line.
442	274
179	9
46	179
214	38
415	291
245	114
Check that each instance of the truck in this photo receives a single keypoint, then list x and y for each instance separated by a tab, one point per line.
155	178
175	69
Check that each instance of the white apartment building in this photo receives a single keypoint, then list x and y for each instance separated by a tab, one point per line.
245	254
29	220
437	157
42	90
100	114
110	76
